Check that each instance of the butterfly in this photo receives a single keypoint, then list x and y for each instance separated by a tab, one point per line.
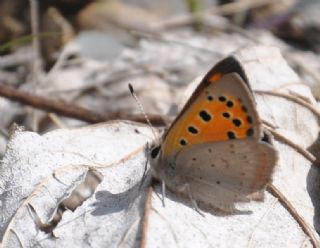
216	151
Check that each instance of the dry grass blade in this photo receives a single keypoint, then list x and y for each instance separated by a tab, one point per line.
294	146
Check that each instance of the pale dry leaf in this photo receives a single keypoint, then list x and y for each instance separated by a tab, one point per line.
39	172
295	176
121	214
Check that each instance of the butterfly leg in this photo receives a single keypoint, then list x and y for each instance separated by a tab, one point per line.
163	188
186	188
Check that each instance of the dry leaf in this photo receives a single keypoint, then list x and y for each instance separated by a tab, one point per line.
39	172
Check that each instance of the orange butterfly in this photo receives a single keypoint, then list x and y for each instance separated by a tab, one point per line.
215	151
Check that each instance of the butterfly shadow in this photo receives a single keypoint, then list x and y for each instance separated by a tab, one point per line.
109	203
199	207
313	184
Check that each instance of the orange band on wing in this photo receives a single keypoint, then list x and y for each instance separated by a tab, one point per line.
208	121
215	77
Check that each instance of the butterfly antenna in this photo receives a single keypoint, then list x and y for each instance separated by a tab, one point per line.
144	176
141	109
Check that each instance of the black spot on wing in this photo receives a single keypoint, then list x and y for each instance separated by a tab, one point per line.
183	142
237	122
231	135
226	115
205	116
193	130
230	104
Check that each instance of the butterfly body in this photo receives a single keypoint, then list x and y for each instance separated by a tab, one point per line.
214	151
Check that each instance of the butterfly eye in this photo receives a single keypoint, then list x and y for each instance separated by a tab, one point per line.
266	138
155	151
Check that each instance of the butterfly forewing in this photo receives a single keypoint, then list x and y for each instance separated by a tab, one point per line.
224	110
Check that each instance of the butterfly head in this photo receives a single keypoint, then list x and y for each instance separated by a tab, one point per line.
154	155
155	151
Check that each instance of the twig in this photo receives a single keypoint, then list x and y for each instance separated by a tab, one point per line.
73	111
268	124
290	208
282	138
239	6
225	9
160	37
34	15
56	120
207	21
145	218
296	147
36	62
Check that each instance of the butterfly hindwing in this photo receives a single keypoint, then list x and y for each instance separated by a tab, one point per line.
241	166
221	173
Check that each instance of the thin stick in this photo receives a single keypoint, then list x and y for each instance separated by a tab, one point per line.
160	37
268	124
73	111
36	62
145	218
225	9
56	120
282	138
34	15
287	205
239	6
293	145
